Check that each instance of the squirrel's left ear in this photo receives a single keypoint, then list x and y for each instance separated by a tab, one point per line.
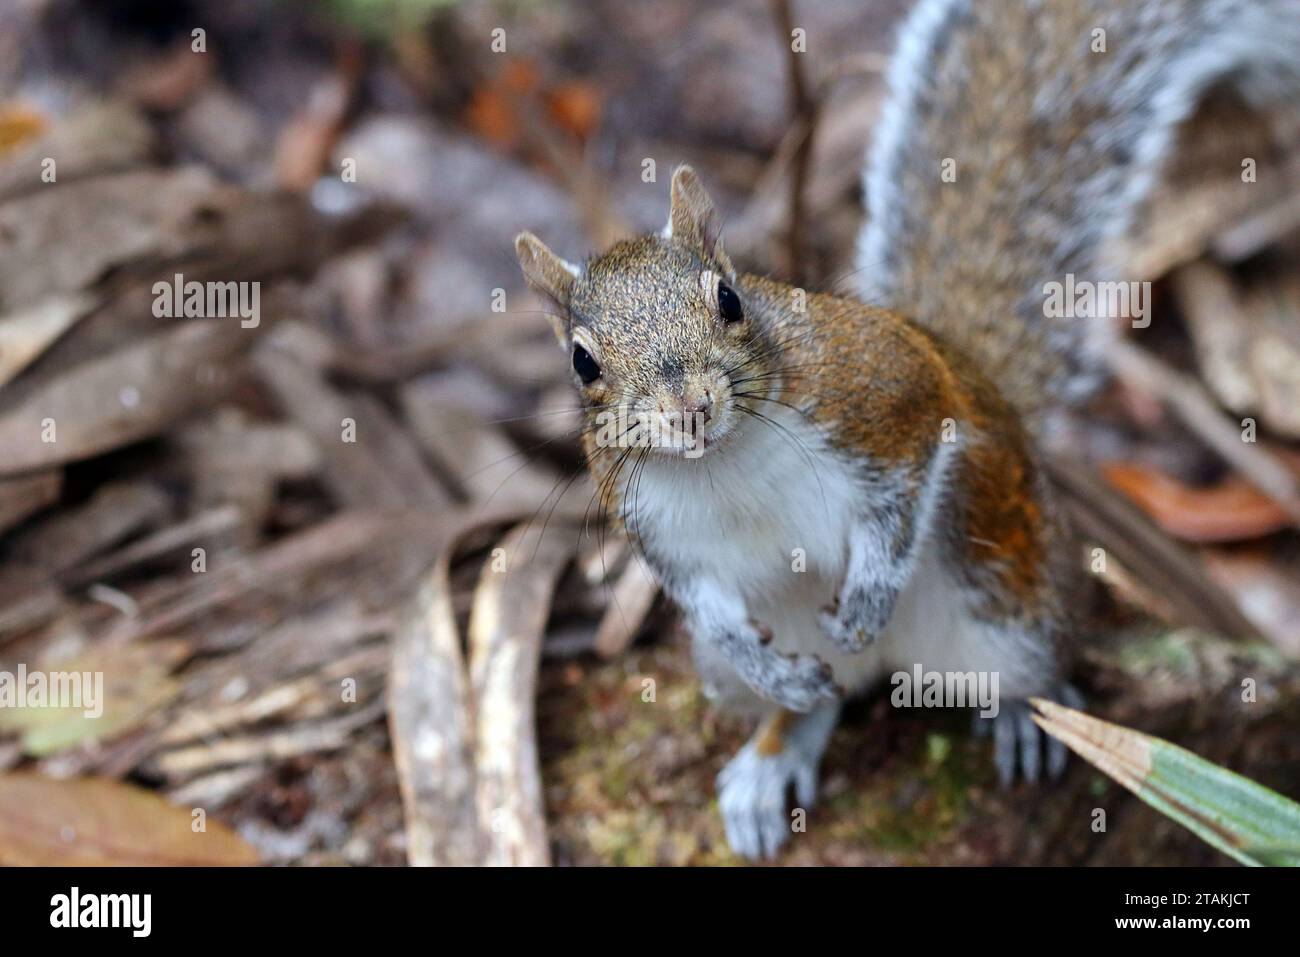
549	275
693	219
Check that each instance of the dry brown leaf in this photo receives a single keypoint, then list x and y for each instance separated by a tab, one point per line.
1168	568
1246	344
379	465
306	141
113	400
97	139
1201	193
484	463
1266	587
1272	304
1221	334
25	334
62	240
73	534
97	822
168	81
26	495
1186	397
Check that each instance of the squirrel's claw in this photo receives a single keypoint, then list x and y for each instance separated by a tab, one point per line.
795	682
1019	743
848	634
764	632
752	798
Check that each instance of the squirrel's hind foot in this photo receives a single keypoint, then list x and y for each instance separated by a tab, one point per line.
1019	743
753	787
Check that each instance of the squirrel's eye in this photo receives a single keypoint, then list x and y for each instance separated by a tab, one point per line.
729	304
585	365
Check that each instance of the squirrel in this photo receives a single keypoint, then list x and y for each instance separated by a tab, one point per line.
894	439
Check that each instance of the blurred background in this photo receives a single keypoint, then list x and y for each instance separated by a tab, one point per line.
281	540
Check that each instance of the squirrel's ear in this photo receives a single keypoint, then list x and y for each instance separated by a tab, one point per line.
693	220
548	275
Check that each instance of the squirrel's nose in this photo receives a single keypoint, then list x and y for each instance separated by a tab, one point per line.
689	412
697	410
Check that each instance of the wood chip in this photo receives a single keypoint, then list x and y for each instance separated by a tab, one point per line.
511	607
429	721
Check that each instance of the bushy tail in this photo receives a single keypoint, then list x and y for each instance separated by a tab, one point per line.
1019	139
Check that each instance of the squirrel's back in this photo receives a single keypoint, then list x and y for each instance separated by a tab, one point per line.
1021	137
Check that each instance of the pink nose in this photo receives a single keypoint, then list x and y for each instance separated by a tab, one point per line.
700	410
696	412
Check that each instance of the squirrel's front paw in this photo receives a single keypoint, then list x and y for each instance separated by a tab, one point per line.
795	682
849	623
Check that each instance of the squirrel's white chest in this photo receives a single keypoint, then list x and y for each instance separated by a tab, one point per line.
770	505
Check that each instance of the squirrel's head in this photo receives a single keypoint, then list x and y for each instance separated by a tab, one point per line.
658	334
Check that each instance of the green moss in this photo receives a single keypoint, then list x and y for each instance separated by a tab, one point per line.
1188	653
915	808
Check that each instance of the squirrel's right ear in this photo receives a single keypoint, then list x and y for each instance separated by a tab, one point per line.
550	276
693	219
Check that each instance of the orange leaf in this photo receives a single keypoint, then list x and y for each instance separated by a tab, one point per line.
1231	511
492	112
491	116
575	107
18	123
519	76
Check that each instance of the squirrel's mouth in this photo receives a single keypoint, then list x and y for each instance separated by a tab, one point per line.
688	425
684	445
695	443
